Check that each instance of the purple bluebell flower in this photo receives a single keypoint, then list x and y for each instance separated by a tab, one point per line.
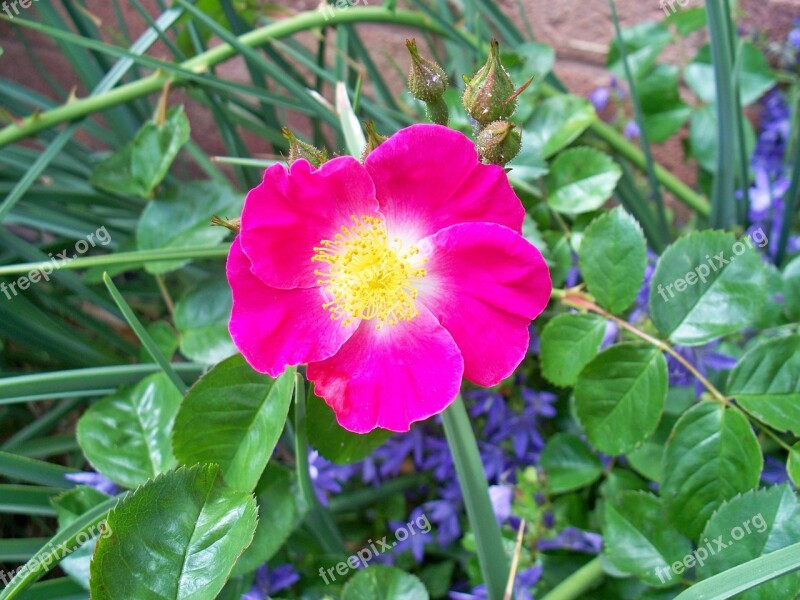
444	516
327	477
271	581
766	194
549	520
501	497
574	539
599	97
631	130
94	480
702	358
794	35
525	580
541	403
774	472
416	542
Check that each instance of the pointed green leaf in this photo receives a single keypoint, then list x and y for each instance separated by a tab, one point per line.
765	383
706	285
175	537
126	436
711	456
233	417
569	463
568	342
619	396
201	317
581	180
613	257
556	122
755	77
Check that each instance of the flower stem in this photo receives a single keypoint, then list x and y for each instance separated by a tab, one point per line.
579	582
580	300
474	487
318	518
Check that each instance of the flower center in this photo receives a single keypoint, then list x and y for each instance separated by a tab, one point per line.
368	275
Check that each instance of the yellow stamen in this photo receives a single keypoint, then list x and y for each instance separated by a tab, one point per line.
368	275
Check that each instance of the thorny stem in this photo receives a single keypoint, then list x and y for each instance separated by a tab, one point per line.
583	301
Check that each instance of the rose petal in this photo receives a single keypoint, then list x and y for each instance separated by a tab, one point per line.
390	377
291	212
485	283
428	177
276	328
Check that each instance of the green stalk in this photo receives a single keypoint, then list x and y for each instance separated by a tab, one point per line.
581	581
723	208
474	487
318	518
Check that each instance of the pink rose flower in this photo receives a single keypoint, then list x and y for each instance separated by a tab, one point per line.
392	280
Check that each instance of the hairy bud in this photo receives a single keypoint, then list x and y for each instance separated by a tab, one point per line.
374	139
490	94
427	81
300	149
499	142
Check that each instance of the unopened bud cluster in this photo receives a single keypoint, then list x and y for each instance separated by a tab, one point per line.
490	99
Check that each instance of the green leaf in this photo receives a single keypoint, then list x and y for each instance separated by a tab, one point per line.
765	383
233	417
177	536
334	442
581	180
201	318
139	167
569	463
181	219
567	343
619	396
703	137
755	76
613	257
723	299
384	583
753	525
711	456
636	540
746	576
793	464
643	43
687	21
126	436
664	112
791	283
277	518
557	121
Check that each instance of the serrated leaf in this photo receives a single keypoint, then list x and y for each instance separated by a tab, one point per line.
619	396
139	167
233	417
569	463
384	583
201	317
752	525
126	436
613	257
711	456
636	540
755	77
766	384
176	537
723	299
567	343
664	111
643	43
556	122
581	180
181	218
333	441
